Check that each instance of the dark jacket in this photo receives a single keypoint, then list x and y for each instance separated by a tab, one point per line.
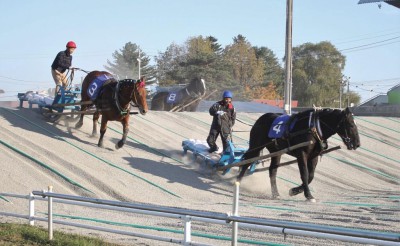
62	61
225	121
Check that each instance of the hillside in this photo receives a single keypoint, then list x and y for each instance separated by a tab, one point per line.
357	189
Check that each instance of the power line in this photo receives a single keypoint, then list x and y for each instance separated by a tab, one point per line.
19	79
366	48
365	45
377	80
361	39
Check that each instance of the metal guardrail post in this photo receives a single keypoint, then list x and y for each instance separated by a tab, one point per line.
31	209
187	236
50	214
235	212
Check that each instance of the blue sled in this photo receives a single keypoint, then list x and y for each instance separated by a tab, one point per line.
231	155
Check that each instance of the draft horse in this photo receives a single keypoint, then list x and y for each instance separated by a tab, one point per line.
113	102
310	125
168	100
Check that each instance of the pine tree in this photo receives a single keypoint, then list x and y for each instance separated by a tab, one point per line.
126	63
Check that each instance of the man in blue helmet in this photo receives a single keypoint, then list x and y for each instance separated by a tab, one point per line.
224	116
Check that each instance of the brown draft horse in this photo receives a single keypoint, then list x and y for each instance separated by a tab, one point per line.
113	103
310	125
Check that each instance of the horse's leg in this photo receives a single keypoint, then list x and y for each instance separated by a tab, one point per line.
273	170
303	167
96	117
125	125
103	129
247	155
79	124
312	164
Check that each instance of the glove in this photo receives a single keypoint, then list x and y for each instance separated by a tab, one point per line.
220	113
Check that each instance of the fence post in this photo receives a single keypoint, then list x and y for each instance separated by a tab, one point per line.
50	213
235	212
31	209
187	236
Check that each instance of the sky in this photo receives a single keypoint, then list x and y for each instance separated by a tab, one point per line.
33	32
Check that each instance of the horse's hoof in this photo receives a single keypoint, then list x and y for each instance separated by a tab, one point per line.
295	191
119	145
78	125
276	197
292	192
311	200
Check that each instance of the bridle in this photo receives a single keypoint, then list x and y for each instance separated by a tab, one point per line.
343	123
133	98
194	94
134	101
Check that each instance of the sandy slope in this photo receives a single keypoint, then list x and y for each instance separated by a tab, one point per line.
357	189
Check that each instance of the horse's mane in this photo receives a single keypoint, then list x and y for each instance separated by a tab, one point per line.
317	110
126	83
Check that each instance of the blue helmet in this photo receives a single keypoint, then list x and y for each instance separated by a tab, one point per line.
227	94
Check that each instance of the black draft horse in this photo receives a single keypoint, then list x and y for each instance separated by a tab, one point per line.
166	101
113	103
310	125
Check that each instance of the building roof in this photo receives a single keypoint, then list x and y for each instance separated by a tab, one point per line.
395	3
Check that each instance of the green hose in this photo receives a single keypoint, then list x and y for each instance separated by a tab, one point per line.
93	155
44	165
210	236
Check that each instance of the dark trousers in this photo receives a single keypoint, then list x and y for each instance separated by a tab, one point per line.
212	138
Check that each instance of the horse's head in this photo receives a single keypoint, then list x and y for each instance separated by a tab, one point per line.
197	87
139	96
347	130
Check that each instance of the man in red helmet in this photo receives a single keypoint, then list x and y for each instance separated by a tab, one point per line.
61	63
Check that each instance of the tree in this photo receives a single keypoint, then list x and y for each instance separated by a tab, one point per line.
126	64
273	72
168	65
247	70
317	73
215	46
198	57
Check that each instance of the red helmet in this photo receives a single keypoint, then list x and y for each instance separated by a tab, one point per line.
71	44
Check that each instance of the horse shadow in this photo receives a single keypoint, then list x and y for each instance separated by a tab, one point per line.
28	118
182	174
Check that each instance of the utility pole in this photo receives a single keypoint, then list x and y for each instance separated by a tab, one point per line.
139	60
288	60
340	92
348	91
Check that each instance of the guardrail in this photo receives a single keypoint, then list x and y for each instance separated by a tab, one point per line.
187	216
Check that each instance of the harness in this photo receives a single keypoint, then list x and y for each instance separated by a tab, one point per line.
314	127
122	111
116	99
192	95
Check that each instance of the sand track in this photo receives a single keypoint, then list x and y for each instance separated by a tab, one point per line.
362	193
